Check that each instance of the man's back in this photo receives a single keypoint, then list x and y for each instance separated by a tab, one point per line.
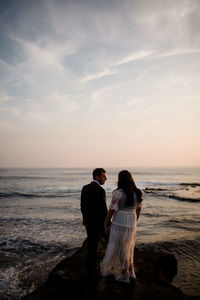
93	205
94	210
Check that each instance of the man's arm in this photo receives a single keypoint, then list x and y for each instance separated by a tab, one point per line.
84	208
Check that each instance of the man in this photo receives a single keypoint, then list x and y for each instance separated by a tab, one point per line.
94	211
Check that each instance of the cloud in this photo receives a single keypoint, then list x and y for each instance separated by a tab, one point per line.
112	69
54	106
179	51
134	56
101	74
6	126
60	102
111	66
139	55
4	97
49	54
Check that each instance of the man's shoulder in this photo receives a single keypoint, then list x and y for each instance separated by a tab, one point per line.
86	185
96	185
92	186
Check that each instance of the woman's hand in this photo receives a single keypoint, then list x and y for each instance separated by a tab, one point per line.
107	221
138	210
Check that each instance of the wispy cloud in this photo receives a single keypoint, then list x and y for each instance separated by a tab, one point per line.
4	97
134	56
113	70
6	126
105	72
138	55
179	51
46	55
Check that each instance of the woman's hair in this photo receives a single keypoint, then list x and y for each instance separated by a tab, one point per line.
126	182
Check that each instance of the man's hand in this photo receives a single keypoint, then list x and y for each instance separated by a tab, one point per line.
107	229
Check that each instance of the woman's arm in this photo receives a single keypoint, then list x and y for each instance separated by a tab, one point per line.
108	218
138	210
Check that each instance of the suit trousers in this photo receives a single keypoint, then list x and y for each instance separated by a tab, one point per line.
94	236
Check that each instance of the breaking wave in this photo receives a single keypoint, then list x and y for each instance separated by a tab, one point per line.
49	193
192	200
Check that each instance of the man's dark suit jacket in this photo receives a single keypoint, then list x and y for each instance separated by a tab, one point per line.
93	206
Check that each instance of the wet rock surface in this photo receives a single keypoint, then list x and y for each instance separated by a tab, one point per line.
69	280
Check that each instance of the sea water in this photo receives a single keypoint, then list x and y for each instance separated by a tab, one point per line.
41	222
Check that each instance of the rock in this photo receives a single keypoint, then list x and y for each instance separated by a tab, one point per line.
155	272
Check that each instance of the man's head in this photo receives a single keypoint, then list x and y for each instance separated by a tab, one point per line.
99	175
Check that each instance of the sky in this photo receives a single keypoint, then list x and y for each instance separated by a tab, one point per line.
105	83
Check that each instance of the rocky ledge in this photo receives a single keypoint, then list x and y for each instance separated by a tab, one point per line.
154	271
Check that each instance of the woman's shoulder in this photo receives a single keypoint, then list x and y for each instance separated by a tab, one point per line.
117	192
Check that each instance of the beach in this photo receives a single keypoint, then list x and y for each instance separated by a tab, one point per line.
41	222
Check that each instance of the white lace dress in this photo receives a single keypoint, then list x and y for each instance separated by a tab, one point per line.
119	254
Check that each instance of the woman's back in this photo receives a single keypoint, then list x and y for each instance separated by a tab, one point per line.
121	198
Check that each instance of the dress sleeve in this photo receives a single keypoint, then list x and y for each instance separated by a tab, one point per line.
115	200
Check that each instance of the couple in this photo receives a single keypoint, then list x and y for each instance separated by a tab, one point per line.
124	211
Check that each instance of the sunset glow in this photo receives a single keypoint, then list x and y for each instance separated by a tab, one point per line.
99	83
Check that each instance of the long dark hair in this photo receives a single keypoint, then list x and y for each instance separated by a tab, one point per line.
126	182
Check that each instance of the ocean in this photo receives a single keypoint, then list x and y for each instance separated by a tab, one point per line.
41	223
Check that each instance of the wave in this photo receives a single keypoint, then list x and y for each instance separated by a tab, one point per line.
158	183
12	177
190	184
167	193
21	245
27	195
192	200
34	220
185	224
175	246
57	193
152	190
154	215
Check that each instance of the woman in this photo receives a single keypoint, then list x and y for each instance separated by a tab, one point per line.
124	211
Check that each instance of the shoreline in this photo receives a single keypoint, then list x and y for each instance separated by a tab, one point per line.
40	218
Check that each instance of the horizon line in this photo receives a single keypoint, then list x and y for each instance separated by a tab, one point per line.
93	167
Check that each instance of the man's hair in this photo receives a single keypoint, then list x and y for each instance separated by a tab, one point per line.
97	172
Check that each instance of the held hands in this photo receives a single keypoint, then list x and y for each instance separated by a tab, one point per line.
107	229
107	222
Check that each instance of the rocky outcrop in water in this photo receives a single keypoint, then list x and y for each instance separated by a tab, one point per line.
68	280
